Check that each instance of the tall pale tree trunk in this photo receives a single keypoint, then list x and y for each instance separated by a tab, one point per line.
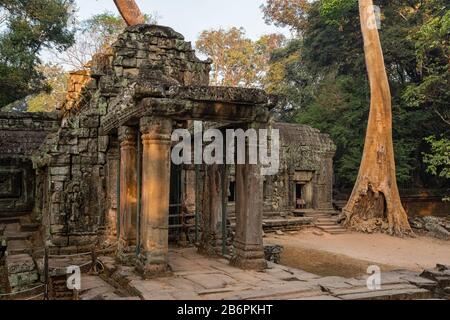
130	12
375	200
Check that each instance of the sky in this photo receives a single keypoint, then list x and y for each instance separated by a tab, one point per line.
190	17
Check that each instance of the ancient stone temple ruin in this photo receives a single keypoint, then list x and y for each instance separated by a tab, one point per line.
100	174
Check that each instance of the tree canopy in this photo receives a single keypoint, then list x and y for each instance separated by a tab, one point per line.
325	83
237	60
26	27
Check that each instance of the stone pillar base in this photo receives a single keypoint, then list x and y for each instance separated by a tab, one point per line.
249	257
212	247
152	270
126	255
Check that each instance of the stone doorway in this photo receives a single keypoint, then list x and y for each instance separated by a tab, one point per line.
300	202
303	190
178	222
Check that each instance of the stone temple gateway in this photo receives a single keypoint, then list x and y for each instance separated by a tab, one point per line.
101	173
150	84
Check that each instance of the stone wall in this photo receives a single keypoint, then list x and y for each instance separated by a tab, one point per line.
21	134
78	166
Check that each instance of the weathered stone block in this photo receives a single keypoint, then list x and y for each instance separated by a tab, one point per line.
131	72
60	159
19	263
60	171
101	158
20	280
60	178
90	122
103	142
129	63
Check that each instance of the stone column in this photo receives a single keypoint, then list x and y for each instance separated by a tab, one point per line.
156	134
248	240
112	167
128	192
211	241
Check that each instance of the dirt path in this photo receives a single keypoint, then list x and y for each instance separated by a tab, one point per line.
350	254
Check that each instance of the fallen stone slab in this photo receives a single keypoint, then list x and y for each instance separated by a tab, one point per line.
394	294
211	281
328	284
278	292
320	298
364	289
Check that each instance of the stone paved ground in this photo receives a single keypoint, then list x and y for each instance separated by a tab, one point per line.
196	277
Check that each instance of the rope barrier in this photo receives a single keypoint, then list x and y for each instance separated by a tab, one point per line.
20	292
65	268
36	296
70	255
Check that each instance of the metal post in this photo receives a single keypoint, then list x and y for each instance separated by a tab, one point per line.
197	202
139	194
94	259
46	277
224	208
118	196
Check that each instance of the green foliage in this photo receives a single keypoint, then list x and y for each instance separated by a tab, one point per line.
432	44
325	80
238	60
47	101
335	10
27	27
94	36
438	160
339	108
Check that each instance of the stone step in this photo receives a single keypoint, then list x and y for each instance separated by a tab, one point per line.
17	235
327	219
29	227
9	220
18	247
12	227
326	223
331	227
22	273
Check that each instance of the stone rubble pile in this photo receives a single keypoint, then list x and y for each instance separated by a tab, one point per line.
273	253
441	276
437	227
